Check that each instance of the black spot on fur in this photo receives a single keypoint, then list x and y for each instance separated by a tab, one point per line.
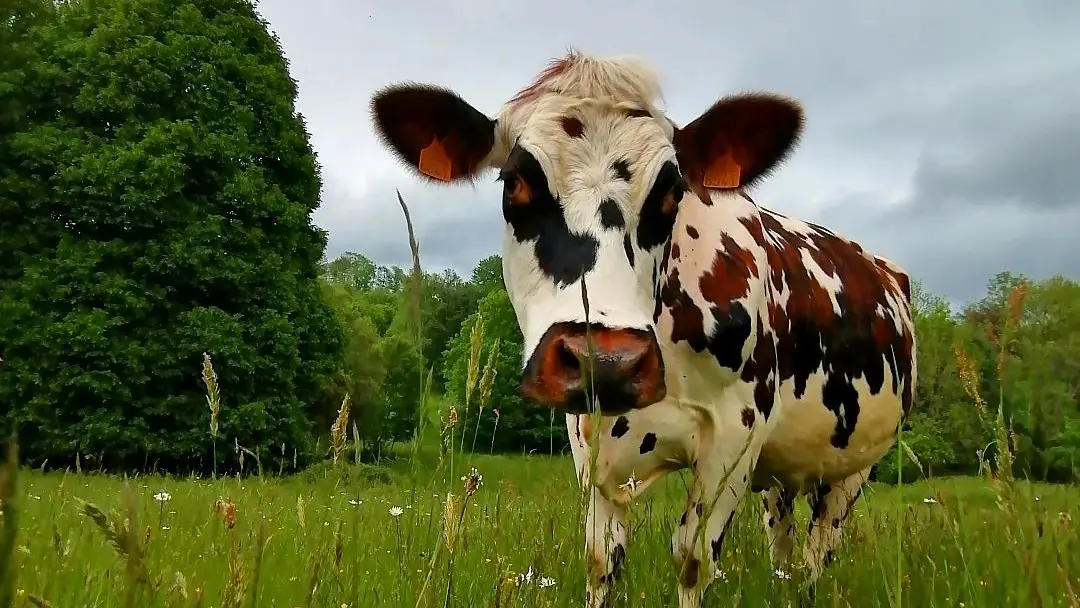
690	230
689	576
622	170
699	508
618	556
717	544
621	426
817	502
760	370
655	225
628	247
747	417
841	397
610	215
732	328
564	256
648	443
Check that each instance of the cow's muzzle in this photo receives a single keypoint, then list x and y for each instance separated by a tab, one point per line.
623	369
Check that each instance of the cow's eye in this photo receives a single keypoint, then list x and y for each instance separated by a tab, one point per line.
674	196
515	188
660	207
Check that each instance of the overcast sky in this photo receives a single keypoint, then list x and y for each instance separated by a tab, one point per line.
944	135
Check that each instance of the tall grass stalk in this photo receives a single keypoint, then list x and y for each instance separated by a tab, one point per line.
8	524
213	401
415	300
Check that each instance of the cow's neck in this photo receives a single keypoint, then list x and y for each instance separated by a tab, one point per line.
709	240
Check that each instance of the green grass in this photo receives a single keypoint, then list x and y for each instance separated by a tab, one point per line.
967	550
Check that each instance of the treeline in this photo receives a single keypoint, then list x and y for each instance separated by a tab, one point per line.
382	358
1016	349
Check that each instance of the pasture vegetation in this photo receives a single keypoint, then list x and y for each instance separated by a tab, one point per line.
209	416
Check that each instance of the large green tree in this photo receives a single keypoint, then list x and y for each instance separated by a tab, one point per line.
161	186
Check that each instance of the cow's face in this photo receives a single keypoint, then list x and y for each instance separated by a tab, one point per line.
593	176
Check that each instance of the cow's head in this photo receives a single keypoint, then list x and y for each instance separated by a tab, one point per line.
593	175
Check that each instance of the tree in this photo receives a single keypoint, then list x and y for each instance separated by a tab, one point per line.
361	370
521	425
352	269
447	301
488	274
166	187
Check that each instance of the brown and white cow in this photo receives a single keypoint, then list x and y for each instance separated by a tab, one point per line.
759	351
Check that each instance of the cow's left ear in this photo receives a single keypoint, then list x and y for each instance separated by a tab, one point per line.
737	141
433	130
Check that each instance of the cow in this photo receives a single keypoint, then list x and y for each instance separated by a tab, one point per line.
675	322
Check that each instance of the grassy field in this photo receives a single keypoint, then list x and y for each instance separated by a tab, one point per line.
364	536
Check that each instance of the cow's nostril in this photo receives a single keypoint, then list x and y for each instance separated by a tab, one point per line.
568	360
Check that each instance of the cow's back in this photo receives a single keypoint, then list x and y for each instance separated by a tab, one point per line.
845	352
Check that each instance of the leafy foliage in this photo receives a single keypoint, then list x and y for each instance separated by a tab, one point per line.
157	191
508	423
1023	343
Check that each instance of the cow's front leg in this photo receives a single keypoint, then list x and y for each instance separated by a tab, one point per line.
721	477
605	547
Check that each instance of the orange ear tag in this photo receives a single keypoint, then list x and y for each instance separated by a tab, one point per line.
724	172
435	162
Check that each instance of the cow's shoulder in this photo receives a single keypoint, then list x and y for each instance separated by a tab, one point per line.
711	284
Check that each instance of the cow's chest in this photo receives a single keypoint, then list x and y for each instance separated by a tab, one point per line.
635	449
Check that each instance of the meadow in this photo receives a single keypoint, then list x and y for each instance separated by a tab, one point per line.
361	535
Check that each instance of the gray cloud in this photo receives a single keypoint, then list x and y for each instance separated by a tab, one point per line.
943	136
456	226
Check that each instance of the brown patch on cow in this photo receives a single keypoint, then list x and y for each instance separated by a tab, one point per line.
690	230
729	277
572	126
586	426
688	578
687	319
596	565
723	286
902	280
852	342
748	417
675	251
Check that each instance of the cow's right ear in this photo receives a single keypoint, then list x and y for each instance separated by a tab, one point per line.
433	130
